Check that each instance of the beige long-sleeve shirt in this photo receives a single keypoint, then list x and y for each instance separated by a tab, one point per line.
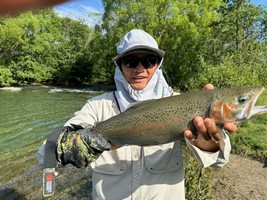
135	172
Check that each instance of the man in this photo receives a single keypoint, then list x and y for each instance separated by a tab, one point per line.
137	172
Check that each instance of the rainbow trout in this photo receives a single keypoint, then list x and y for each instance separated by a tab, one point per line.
164	120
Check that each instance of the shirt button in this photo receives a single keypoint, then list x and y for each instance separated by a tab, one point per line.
136	176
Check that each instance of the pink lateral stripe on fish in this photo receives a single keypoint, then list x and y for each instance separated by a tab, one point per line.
164	120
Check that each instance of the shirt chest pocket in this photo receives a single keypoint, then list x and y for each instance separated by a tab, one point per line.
111	162
163	158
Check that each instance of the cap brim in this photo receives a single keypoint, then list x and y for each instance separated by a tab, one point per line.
140	49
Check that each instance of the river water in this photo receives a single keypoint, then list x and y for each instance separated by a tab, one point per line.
26	119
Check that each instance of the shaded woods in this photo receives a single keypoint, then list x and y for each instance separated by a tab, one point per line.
221	42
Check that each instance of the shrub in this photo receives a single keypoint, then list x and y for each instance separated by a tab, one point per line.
6	76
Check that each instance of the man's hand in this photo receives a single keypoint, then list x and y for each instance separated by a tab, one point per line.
80	147
208	134
14	6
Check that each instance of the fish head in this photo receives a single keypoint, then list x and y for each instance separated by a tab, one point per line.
236	104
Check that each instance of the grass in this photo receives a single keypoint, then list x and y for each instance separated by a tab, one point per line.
197	179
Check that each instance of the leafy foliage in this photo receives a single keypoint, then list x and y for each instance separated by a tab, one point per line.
197	179
39	46
5	76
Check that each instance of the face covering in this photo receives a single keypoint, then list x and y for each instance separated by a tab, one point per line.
156	88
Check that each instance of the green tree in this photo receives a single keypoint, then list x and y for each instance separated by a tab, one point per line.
39	46
5	76
74	47
24	44
238	46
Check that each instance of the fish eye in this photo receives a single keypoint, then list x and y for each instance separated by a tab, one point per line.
242	99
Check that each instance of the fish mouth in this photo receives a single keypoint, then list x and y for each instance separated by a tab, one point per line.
252	110
258	110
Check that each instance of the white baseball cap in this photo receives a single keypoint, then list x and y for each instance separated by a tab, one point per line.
137	40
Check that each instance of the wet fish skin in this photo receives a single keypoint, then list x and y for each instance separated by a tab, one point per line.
164	120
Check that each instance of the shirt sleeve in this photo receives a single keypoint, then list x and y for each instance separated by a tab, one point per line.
213	159
84	117
95	110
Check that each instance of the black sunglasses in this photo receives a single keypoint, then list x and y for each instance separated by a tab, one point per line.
147	61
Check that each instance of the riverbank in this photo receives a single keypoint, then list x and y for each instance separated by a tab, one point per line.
94	87
26	180
242	178
11	89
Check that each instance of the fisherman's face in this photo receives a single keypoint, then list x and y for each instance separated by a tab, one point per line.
138	69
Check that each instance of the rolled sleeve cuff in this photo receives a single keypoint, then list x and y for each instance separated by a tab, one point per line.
213	159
